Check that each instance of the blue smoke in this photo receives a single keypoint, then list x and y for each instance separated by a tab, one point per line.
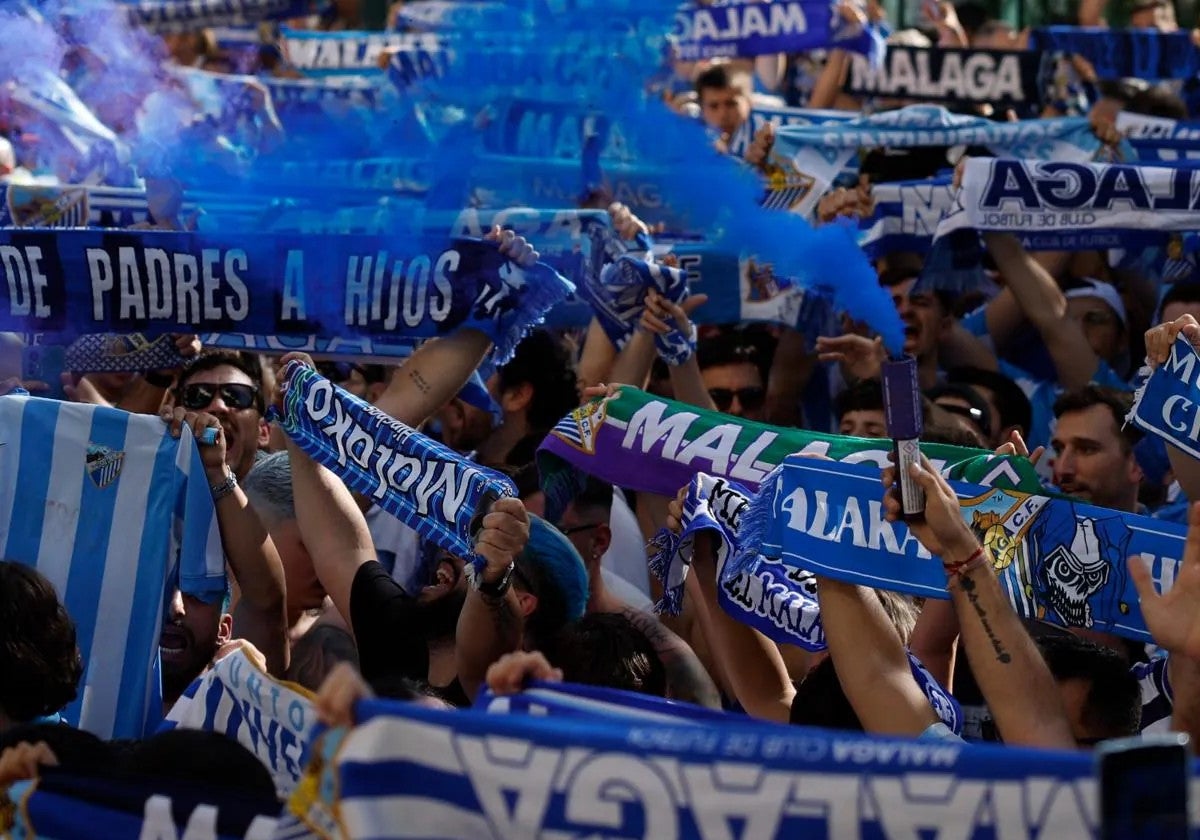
575	75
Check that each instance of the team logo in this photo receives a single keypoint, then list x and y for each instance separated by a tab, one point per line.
787	186
759	283
580	428
103	464
59	207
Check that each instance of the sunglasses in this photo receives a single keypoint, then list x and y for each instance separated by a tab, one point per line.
749	398
199	395
575	529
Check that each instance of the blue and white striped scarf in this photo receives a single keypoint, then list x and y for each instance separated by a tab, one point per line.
429	488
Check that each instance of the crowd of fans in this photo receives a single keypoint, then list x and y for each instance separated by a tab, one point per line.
337	596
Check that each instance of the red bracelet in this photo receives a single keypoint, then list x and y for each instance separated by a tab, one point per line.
972	563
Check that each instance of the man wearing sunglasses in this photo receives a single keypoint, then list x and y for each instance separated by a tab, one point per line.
732	369
223	391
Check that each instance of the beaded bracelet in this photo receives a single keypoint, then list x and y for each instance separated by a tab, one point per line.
972	563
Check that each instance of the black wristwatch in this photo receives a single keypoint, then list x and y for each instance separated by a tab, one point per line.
494	591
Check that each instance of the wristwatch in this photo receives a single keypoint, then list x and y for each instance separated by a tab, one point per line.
493	591
224	488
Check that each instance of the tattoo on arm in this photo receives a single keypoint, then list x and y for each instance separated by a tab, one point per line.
972	592
418	380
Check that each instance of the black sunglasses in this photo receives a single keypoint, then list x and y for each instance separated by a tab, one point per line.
750	398
199	395
575	529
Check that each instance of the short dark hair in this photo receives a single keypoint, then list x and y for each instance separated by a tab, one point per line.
76	749
895	276
979	413
545	363
39	657
595	494
864	395
733	347
606	649
1117	402
1181	292
317	652
1113	706
717	77
247	363
1012	405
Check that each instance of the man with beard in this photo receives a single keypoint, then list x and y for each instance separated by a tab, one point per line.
224	391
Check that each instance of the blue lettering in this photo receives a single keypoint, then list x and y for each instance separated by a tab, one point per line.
1009	180
1120	184
1070	191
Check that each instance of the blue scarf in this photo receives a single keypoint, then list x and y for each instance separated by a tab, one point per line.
906	215
1059	205
807	158
999	78
586	702
426	486
83	281
1160	140
275	720
1167	405
1058	560
779	117
176	16
338	53
740	29
776	600
617	295
780	603
109	353
1124	53
442	773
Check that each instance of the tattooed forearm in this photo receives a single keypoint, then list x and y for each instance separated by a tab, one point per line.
419	380
970	588
686	677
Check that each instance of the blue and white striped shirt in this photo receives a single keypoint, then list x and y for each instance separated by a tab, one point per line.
115	513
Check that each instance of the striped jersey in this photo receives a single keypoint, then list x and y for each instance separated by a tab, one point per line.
115	513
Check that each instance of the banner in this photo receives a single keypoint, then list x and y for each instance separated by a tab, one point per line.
651	445
1160	140
595	702
1124	53
1059	205
1168	404
407	771
806	159
237	698
316	53
168	17
779	117
906	215
1058	560
428	487
82	281
940	74
744	29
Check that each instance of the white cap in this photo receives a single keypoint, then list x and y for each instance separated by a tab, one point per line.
1087	287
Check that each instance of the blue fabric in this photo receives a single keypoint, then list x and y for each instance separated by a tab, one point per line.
426	486
1167	405
116	514
271	285
744	29
1058	560
1124	53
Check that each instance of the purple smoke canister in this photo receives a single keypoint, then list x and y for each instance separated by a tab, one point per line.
903	414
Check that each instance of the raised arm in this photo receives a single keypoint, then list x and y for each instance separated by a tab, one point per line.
439	368
492	621
1045	306
1014	679
871	662
749	659
1159	341
260	615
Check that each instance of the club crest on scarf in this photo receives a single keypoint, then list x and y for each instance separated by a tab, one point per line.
47	206
103	464
580	428
1056	559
